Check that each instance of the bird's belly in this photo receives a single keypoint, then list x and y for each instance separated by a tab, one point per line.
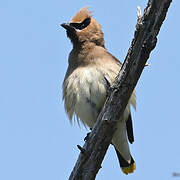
85	94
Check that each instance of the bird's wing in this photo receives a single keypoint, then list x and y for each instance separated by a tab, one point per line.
114	67
129	128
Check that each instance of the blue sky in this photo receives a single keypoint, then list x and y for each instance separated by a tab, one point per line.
36	140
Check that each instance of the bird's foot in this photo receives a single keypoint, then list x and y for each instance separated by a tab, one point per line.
87	136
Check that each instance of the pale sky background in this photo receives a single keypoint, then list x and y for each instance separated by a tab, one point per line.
36	140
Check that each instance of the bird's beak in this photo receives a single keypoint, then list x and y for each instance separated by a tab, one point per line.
67	26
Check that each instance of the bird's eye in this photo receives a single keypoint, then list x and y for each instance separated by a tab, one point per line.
85	23
81	25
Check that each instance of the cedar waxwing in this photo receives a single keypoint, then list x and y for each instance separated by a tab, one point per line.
85	82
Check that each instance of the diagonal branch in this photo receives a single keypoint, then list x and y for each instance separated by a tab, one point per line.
145	39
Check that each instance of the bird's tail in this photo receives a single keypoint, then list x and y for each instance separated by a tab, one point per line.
126	166
120	141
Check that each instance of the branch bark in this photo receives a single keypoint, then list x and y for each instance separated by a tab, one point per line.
144	41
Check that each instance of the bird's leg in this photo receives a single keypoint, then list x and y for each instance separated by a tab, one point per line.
87	136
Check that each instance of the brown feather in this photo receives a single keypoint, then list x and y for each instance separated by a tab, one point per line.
81	15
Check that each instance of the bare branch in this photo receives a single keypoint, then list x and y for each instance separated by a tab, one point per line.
145	38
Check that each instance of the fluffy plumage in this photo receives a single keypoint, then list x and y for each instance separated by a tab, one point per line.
84	86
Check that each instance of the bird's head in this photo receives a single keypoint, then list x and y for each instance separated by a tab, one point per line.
83	28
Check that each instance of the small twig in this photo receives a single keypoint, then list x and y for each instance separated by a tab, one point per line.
147	64
139	13
108	87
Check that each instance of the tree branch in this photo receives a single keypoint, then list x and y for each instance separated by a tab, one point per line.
145	39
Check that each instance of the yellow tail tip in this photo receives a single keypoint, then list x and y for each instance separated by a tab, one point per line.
129	169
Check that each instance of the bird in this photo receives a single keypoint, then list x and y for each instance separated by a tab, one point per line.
85	89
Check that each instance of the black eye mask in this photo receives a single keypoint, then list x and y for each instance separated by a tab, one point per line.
81	25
